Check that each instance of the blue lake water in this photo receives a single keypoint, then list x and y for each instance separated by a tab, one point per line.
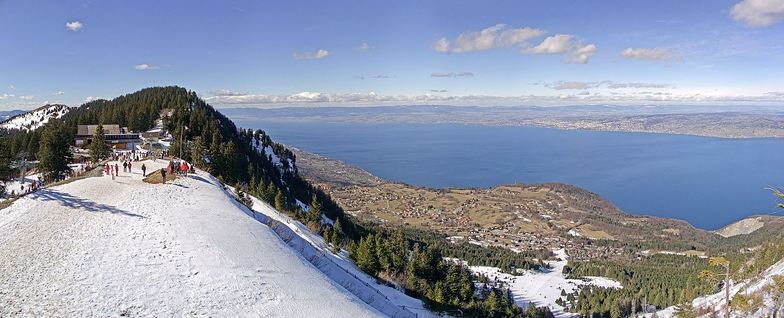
709	182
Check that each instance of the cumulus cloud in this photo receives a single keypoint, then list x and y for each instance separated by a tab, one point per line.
758	13
58	93
574	51
497	36
74	26
364	47
441	45
438	91
317	55
6	96
91	98
146	67
656	54
26	97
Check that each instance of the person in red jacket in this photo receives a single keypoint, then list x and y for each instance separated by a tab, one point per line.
184	168
116	170
106	169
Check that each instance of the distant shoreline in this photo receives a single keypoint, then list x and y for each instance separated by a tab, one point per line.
750	124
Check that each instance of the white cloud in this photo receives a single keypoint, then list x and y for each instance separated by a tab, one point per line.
574	51
226	92
320	54
581	53
561	85
364	47
441	45
555	44
6	96
612	85
445	74
437	96
146	67
497	36
758	13
91	98
11	87
58	93
26	97
74	26
577	85
656	54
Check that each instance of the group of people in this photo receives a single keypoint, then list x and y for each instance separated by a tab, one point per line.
179	167
176	167
133	155
114	170
34	186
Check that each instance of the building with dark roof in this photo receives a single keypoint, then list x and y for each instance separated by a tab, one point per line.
116	137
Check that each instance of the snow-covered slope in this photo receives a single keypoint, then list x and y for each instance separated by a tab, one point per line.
103	247
716	304
36	118
543	287
10	113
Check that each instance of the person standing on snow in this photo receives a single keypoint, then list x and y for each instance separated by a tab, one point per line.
129	167
163	175
107	169
116	170
144	170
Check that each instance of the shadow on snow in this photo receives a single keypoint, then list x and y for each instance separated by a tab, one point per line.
78	203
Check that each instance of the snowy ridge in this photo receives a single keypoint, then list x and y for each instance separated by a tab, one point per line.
101	247
339	268
36	118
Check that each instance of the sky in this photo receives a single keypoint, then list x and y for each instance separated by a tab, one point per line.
372	52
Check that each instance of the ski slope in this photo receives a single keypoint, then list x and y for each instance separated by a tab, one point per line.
103	247
543	287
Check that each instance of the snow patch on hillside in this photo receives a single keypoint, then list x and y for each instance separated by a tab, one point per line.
542	287
36	118
716	301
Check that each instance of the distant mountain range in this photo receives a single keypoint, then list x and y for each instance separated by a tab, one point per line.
32	120
5	114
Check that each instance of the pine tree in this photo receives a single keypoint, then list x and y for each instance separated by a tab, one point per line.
99	150
382	253
314	210
54	153
399	251
367	259
6	173
280	204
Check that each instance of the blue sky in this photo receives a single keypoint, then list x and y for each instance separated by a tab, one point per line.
248	53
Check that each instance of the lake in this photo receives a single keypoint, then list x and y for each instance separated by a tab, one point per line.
709	182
